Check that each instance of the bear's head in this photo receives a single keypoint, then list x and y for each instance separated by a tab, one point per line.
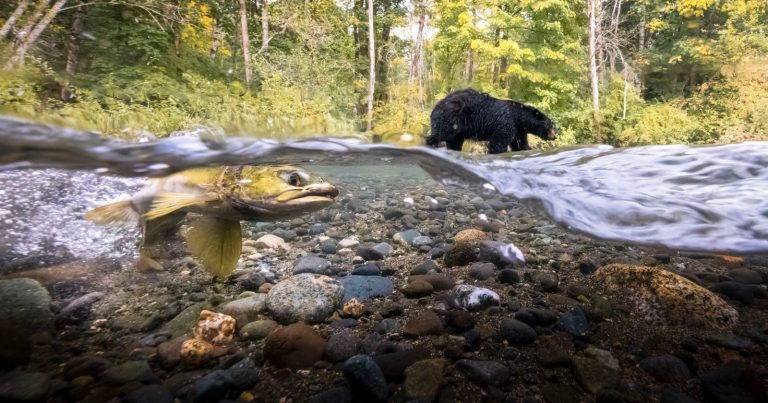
541	125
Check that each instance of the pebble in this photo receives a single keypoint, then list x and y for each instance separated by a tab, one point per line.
384	248
482	271
311	264
406	237
745	276
78	310
424	378
423	323
295	346
743	293
245	310
460	320
394	364
348	243
185	321
304	297
509	276
475	298
368	253
271	241
20	386
367	269
484	373
257	330
501	254
516	333
592	375
126	372
219	384
440	282
366	379
575	323
460	254
666	368
85	365
536	316
341	346
215	328
366	287
417	289
424	267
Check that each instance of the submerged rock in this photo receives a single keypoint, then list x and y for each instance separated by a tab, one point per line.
295	346
215	328
475	298
78	310
366	287
366	379
25	309
663	297
24	386
245	310
304	297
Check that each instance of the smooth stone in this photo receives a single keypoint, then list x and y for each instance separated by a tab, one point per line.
257	330
270	241
666	368
185	321
545	280
366	380
25	309
424	323
24	386
424	378
440	282
592	375
422	241
304	297
501	254
84	365
424	267
296	346
341	346
743	293
603	356
126	372
575	322
245	310
311	264
517	333
406	237
384	248
460	320
394	364
150	394
745	276
388	326
366	287
348	243
482	271
368	253
484	373
219	384
536	316
77	311
732	382
367	269
417	289
329	246
508	276
475	298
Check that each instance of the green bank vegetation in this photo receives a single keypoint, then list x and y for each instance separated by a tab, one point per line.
608	71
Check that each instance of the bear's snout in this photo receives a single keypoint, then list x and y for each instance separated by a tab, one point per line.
552	134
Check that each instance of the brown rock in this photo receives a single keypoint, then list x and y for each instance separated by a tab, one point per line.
195	352
353	308
424	378
663	297
440	282
215	328
418	288
460	254
730	262
169	352
424	323
296	346
472	236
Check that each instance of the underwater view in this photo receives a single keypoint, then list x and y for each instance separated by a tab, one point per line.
342	201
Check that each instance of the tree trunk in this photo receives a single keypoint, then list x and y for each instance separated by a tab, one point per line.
246	43
73	46
21	51
418	51
264	25
372	71
20	8
217	33
31	21
641	33
592	5
469	67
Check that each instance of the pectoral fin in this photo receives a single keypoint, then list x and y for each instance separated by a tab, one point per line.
216	243
167	202
116	213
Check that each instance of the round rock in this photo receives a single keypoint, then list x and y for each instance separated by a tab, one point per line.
304	297
295	346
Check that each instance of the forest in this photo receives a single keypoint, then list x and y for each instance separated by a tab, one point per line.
619	72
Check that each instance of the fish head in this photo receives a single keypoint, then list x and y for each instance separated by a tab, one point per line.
279	192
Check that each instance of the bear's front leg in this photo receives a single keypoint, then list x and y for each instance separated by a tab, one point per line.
499	143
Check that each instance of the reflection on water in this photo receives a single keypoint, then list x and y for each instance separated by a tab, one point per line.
711	198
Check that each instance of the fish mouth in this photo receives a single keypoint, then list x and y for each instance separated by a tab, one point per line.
293	202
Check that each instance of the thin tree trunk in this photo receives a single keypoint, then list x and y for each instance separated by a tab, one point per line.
641	33
592	5
20	8
21	51
21	34
418	57
217	34
469	67
246	43
372	71
73	46
264	25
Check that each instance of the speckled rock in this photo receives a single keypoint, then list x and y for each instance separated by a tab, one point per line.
475	298
659	296
196	352
214	327
304	297
295	346
471	235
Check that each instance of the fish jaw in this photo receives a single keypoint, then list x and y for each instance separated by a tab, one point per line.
291	203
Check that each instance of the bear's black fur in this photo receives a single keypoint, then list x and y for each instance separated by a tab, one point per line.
471	115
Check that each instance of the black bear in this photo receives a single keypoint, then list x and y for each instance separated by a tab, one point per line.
471	115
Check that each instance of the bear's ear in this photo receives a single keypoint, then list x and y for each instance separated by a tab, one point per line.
459	107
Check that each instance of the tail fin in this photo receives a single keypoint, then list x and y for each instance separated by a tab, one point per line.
115	213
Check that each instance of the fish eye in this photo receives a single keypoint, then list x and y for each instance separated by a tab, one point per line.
294	179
